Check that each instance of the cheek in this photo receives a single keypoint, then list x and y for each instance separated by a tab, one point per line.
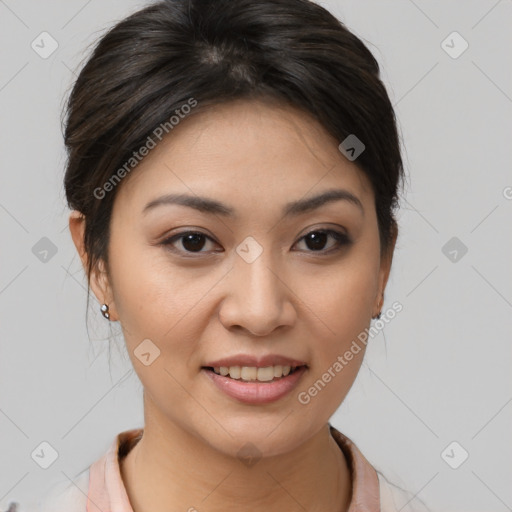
343	311
154	299
338	353
345	299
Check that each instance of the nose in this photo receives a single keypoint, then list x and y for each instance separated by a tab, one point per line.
257	297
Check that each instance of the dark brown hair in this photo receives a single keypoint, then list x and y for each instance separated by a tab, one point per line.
150	64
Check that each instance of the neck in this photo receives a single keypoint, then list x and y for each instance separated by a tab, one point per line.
170	466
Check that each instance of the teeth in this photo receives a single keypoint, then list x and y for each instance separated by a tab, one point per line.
234	372
250	373
265	374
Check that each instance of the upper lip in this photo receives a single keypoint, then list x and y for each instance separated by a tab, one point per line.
255	361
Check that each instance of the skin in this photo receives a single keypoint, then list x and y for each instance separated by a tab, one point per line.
292	300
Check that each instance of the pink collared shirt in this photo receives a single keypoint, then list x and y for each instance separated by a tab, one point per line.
100	487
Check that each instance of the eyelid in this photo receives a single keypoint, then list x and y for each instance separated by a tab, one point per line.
329	228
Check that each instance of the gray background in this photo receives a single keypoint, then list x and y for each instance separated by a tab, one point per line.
439	372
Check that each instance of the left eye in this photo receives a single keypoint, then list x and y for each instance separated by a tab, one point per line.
317	239
194	241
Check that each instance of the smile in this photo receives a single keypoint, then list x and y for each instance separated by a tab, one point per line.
255	385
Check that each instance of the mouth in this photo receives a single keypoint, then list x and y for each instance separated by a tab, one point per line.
255	374
255	385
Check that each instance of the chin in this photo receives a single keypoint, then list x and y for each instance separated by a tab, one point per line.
262	437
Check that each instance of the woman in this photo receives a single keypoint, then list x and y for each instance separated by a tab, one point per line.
233	173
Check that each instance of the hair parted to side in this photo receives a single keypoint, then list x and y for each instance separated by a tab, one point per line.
215	51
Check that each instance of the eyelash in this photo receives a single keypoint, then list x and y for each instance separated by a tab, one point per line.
341	238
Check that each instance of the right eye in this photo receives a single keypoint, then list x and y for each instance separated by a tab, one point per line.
190	241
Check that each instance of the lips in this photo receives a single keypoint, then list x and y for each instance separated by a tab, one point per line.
255	379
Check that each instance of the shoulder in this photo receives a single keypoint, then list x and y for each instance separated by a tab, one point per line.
394	498
66	496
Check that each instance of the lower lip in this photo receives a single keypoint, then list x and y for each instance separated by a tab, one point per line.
255	392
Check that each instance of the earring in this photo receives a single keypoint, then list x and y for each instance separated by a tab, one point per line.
104	311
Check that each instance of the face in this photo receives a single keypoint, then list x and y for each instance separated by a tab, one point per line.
246	276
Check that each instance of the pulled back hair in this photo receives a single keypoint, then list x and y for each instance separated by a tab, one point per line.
215	51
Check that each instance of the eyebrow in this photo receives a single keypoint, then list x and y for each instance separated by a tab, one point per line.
294	208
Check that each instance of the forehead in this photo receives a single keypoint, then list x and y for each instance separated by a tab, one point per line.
247	153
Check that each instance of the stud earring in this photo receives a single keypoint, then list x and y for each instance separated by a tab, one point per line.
104	311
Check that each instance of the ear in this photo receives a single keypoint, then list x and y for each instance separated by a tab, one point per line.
98	280
385	268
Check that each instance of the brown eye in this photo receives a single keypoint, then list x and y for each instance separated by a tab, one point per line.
190	242
193	242
317	240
